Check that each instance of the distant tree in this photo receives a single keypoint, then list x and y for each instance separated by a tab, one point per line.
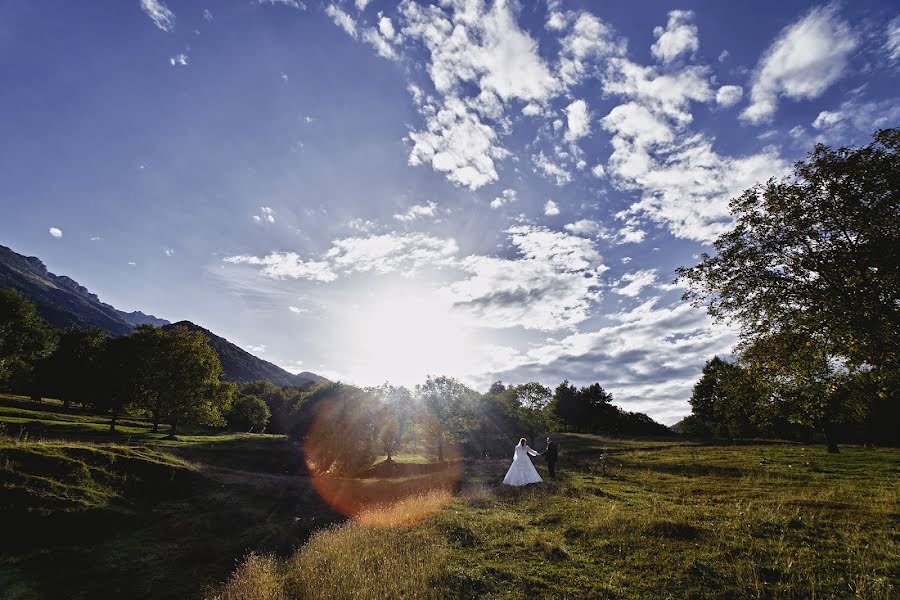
533	395
814	258
497	387
565	407
394	416
25	339
448	414
248	413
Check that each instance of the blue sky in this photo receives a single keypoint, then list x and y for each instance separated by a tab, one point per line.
377	191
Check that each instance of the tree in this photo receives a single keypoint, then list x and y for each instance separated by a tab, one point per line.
336	426
248	413
448	411
25	339
120	385
814	257
564	407
73	371
393	417
725	402
533	395
189	389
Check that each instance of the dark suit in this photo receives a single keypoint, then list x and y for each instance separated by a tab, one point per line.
551	454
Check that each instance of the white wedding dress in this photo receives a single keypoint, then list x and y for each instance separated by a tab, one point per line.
521	471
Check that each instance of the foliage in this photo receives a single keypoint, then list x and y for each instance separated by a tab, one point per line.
25	338
590	410
811	274
447	411
394	413
248	413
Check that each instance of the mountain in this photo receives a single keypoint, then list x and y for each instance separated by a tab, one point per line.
66	303
240	365
62	300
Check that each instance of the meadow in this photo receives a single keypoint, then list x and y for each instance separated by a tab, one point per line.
89	514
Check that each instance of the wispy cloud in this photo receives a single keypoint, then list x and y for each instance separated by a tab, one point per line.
160	14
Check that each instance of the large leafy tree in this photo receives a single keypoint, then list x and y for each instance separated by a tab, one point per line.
190	389
73	372
814	257
248	413
448	414
25	339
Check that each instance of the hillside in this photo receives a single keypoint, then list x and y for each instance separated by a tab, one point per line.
240	365
66	303
62	300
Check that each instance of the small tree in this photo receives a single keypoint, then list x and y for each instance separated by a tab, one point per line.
248	413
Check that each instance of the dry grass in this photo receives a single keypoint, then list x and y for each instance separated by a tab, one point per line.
257	578
377	556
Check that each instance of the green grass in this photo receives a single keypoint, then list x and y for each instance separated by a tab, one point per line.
89	514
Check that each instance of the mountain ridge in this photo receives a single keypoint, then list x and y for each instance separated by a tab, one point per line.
64	303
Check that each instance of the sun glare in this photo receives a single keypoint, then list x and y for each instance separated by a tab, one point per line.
403	333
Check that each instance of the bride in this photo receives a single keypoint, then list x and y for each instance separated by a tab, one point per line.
521	471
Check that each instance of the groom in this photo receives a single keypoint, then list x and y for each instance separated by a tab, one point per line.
551	454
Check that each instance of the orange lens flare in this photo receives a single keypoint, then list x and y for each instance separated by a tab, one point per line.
384	495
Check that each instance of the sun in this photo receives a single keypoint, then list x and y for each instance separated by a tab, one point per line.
401	333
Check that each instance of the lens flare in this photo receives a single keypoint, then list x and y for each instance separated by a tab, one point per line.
384	495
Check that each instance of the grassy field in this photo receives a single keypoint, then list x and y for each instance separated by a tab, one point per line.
90	515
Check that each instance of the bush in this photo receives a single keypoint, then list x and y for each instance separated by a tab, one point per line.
248	413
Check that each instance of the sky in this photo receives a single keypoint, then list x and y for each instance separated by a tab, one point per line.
378	191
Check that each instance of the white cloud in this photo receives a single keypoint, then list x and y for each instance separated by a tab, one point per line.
458	143
892	41
287	265
649	357
588	42
292	3
96	238
341	19
364	225
403	253
266	215
802	63
729	95
505	197
632	283
827	119
179	60
685	184
856	119
723	55
362	4
550	284
419	211
584	228
207	15
168	252
386	27
382	46
56	232
132	264
551	208
578	121
551	169
161	16
598	171
298	310
255	349
678	37
478	61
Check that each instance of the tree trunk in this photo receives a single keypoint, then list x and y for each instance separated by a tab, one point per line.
440	450
112	422
155	428
830	439
174	429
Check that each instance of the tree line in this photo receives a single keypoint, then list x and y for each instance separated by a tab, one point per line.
810	274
